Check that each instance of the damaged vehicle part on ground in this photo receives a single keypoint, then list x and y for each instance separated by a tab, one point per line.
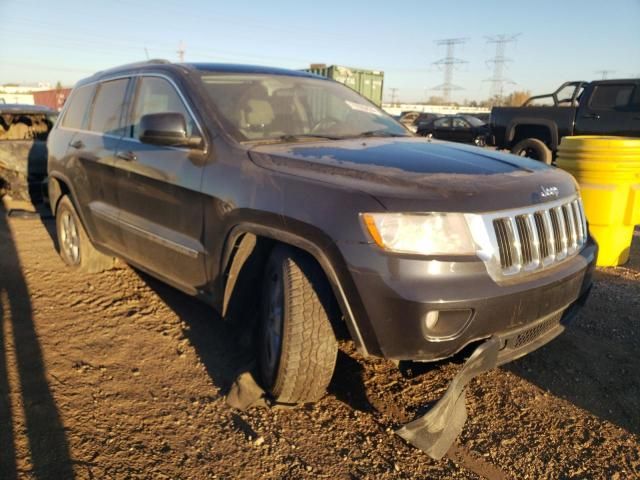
226	181
23	152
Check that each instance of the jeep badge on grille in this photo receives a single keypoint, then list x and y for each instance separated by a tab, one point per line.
546	192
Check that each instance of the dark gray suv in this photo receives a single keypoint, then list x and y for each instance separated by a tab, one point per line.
204	174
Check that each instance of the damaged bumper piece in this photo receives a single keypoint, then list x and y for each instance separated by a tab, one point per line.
435	432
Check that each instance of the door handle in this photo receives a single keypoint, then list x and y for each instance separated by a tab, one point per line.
78	144
128	156
593	116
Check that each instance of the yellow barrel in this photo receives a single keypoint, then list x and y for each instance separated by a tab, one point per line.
608	171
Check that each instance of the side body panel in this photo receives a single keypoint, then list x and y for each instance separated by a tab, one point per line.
160	205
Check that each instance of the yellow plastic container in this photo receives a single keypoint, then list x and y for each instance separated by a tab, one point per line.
608	171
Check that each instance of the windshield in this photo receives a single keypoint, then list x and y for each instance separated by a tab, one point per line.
258	107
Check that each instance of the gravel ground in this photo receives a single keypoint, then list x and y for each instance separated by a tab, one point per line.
118	376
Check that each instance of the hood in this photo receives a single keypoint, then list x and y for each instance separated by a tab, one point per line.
412	174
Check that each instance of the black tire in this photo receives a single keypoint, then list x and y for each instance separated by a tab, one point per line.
74	246
297	365
533	148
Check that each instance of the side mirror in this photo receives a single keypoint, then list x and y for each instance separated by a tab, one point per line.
168	129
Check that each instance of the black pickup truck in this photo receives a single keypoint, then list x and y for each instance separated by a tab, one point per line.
605	107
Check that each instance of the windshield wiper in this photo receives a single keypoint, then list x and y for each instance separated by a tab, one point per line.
292	138
376	133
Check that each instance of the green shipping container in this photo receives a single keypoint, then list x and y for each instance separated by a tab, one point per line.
368	83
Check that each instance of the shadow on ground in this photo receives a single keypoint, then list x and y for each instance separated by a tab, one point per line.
594	364
221	345
228	348
47	442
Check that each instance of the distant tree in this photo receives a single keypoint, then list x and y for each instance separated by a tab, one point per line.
58	85
435	100
516	99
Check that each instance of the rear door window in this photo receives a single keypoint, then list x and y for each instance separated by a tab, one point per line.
75	116
611	97
107	107
158	95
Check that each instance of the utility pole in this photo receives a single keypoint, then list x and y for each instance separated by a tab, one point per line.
393	95
499	62
448	63
604	73
180	51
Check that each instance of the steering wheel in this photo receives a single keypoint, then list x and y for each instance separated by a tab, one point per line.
325	122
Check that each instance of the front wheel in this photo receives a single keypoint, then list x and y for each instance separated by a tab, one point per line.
76	250
298	348
533	148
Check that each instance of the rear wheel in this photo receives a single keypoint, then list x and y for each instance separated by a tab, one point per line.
298	348
76	250
533	148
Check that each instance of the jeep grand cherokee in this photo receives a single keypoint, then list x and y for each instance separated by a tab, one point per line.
197	172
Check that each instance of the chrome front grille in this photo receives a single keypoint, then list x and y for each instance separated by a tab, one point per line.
538	237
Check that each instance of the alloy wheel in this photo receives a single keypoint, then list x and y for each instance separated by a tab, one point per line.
70	238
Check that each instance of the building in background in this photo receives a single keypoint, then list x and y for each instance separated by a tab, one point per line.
53	99
399	108
39	94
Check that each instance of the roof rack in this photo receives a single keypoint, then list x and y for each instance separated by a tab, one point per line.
153	61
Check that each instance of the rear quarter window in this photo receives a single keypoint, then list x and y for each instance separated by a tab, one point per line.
75	114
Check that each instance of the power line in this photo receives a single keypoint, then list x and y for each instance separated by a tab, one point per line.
604	73
448	64
499	62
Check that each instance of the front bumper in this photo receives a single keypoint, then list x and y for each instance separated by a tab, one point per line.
398	292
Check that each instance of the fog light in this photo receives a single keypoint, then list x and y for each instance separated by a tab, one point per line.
431	319
443	325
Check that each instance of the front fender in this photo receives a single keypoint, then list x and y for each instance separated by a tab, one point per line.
539	122
317	244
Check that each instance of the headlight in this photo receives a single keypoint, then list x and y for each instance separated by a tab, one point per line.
422	234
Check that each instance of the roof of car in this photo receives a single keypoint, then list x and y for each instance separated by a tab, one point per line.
206	67
235	68
617	80
24	108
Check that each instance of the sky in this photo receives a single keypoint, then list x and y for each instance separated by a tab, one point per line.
558	41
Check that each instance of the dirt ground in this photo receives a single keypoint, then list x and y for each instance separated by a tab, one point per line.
118	376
